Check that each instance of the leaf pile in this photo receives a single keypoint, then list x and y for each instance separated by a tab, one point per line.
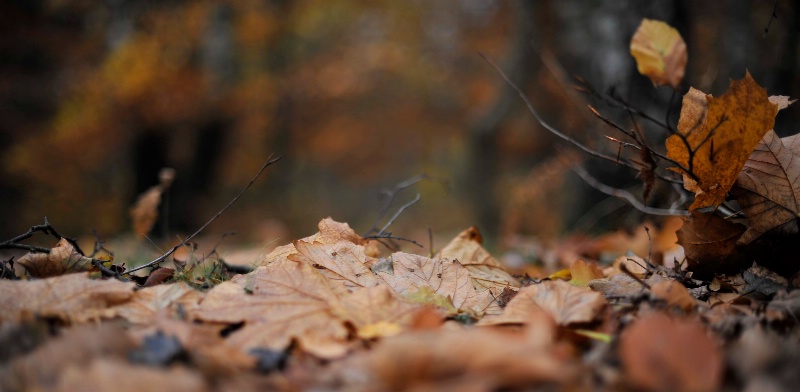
330	312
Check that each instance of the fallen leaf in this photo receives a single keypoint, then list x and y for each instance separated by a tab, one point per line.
144	213
486	271
62	259
158	276
116	375
288	300
763	281
343	262
331	232
565	303
583	272
146	303
72	297
375	312
717	135
710	243
472	360
660	53
768	187
674	294
660	353
447	278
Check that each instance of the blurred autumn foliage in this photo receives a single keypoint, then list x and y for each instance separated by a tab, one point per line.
97	98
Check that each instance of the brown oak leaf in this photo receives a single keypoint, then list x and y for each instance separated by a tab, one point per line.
768	188
710	243
62	259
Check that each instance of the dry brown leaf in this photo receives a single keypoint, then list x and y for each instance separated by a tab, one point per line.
62	259
331	232
660	53
622	285
674	294
413	273
565	303
478	359
148	302
710	243
375	312
343	262
73	297
486	271
768	188
289	300
722	132
660	353
120	376
145	212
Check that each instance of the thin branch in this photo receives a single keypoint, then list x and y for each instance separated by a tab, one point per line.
389	236
218	214
549	127
627	196
772	17
396	214
390	195
45	228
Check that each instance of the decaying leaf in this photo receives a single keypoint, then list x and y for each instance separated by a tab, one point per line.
710	243
288	300
62	259
660	52
446	277
565	303
72	297
717	135
674	294
660	353
486	271
479	359
342	262
148	302
374	312
768	188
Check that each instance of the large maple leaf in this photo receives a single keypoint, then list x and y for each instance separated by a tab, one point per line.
717	135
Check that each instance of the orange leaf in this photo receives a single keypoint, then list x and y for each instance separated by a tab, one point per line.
660	53
718	135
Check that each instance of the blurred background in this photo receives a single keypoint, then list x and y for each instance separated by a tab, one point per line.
356	96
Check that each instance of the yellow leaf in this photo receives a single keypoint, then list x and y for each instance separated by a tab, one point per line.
660	52
717	135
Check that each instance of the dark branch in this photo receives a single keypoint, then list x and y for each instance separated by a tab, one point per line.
200	230
627	196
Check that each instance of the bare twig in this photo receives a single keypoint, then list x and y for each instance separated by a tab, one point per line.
389	236
45	228
396	214
391	194
633	276
552	129
164	256
772	17
627	196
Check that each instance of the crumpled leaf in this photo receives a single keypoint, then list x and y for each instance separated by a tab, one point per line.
486	271
447	278
565	303
674	294
289	300
660	53
144	213
344	262
768	188
72	297
721	134
660	353
62	259
710	243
